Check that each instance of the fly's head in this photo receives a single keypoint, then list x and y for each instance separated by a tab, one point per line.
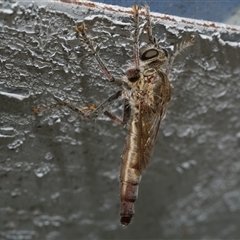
153	59
151	55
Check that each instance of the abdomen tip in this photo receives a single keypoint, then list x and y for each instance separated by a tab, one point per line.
126	220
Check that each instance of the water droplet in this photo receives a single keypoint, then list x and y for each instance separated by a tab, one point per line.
46	220
232	200
186	165
202	139
19	234
55	195
15	144
53	235
18	164
168	131
42	170
65	68
111	174
184	131
8	132
238	135
17	93
72	118
16	192
219	93
221	106
48	156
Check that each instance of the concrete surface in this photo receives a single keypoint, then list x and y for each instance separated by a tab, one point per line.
59	173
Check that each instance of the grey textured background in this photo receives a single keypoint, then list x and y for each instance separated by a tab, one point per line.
59	174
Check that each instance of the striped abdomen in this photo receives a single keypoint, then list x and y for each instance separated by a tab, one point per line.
135	157
130	175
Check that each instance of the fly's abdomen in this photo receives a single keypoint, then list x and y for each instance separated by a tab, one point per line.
130	179
130	175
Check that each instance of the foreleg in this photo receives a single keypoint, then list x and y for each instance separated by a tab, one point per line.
82	35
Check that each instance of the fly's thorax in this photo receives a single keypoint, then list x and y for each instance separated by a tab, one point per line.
150	57
148	89
148	84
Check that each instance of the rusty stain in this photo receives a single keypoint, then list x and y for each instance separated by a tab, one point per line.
165	17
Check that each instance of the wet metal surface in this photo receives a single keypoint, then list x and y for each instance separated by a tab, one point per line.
59	174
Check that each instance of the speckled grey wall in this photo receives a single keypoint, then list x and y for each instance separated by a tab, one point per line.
59	173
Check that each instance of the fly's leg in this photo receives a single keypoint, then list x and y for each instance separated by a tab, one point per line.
93	112
178	48
126	114
81	111
82	35
136	34
113	117
148	27
102	108
44	107
133	73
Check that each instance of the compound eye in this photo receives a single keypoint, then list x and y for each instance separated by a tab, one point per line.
149	54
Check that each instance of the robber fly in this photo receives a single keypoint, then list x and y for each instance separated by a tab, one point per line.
146	92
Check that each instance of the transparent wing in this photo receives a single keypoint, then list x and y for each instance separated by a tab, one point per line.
149	122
